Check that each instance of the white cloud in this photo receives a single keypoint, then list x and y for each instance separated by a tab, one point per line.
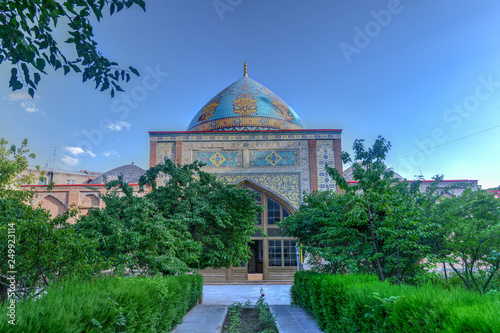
119	125
29	107
74	150
20	96
71	161
111	153
24	100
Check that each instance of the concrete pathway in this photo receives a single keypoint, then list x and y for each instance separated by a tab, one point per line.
209	317
293	319
203	319
228	294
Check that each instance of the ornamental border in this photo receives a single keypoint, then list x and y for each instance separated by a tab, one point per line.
241	137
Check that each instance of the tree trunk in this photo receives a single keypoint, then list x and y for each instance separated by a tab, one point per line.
374	243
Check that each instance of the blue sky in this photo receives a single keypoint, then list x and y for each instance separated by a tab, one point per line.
423	74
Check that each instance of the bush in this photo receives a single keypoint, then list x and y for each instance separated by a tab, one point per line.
110	304
361	303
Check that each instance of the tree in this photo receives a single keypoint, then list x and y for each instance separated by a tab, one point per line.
27	33
219	217
471	227
192	222
41	250
134	235
372	225
13	161
35	250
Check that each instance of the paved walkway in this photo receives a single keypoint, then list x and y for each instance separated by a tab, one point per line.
228	294
203	319
209	317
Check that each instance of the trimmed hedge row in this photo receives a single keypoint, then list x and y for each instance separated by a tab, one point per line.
110	304
361	303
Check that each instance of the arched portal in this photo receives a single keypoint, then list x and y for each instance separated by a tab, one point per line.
272	257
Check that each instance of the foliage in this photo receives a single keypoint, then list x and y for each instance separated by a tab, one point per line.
28	30
131	232
219	217
13	161
373	225
471	228
108	304
239	319
39	249
46	250
192	222
361	303
266	318
234	313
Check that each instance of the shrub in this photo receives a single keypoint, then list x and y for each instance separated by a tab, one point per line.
361	303
109	304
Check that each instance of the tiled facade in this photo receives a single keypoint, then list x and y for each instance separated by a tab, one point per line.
277	161
279	165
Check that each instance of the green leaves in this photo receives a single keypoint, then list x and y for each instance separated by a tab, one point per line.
373	226
470	228
192	222
30	47
47	250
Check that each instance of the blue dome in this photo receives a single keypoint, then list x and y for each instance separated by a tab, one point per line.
245	105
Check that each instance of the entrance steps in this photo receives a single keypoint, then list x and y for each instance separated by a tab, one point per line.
250	282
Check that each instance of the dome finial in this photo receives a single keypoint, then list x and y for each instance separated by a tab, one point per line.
245	69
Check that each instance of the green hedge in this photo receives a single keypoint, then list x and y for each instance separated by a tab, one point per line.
111	304
361	303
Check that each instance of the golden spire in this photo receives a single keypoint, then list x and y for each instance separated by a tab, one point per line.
245	69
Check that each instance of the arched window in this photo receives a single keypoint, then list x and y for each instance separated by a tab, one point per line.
274	212
278	249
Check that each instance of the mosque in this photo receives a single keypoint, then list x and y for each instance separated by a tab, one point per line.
249	136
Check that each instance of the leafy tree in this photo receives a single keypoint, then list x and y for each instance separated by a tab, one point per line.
13	161
46	250
471	228
134	234
27	31
40	250
372	225
192	222
218	216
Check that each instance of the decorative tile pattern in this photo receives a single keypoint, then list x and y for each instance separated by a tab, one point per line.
219	158
245	98
165	150
283	147
242	123
208	111
325	156
267	158
285	185
232	136
245	105
281	109
273	158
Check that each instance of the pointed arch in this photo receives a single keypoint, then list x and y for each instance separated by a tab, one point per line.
53	205
270	194
90	200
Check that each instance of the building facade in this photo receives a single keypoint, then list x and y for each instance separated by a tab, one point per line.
247	135
83	195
